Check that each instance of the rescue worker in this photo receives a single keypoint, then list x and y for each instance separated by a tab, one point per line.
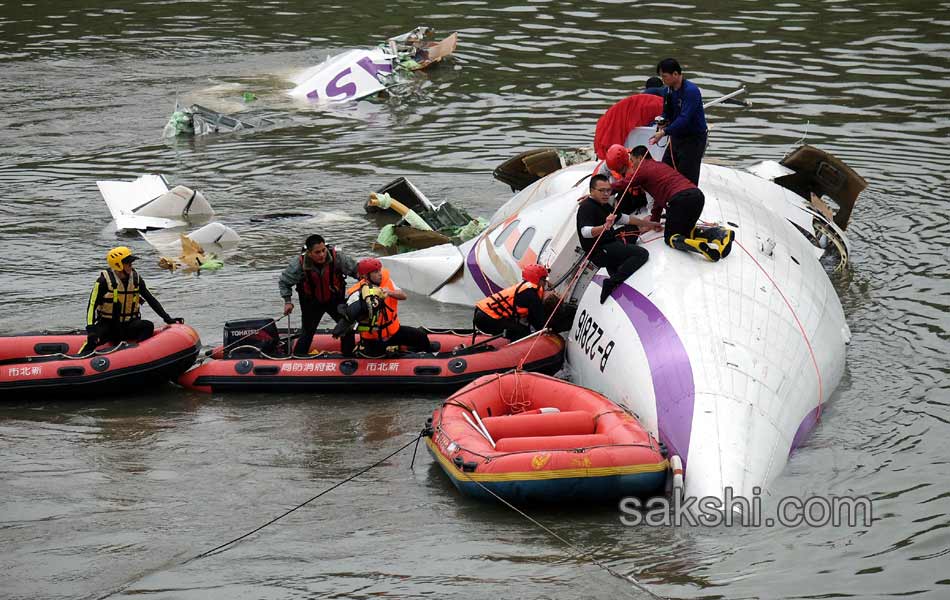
373	302
114	312
319	274
683	202
684	121
596	218
506	311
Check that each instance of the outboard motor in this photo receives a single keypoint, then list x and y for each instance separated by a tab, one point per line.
241	337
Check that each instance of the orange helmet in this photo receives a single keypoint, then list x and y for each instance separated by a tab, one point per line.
618	157
367	266
534	273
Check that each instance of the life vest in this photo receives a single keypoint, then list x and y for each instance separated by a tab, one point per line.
382	319
501	305
322	286
121	300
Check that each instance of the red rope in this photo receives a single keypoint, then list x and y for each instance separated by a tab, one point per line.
801	328
580	269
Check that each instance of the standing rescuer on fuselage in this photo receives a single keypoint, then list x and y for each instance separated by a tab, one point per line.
114	312
507	310
319	274
684	121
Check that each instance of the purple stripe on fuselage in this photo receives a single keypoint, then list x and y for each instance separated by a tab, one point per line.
670	368
805	428
486	285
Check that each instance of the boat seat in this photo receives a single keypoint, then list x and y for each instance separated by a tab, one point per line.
553	442
574	422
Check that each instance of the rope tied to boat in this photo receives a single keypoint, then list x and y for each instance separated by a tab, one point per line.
580	553
222	547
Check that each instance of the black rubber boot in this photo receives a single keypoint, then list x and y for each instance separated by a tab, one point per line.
698	246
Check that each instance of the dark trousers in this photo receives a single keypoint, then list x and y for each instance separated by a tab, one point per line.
685	154
413	338
113	332
311	313
621	261
513	329
682	212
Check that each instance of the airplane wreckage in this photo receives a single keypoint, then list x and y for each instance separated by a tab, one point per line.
350	75
729	363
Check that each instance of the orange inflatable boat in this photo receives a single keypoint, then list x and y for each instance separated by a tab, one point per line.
43	366
532	438
248	368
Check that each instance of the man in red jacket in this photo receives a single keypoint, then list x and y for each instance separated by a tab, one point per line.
683	202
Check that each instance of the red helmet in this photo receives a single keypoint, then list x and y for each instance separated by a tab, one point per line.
367	266
618	157
534	273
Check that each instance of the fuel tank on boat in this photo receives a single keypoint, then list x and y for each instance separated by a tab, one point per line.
727	363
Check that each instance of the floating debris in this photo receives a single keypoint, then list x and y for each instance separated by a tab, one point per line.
421	224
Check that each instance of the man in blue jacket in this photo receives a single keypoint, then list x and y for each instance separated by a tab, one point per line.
684	121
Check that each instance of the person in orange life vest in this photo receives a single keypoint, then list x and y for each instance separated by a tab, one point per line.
506	311
683	202
113	313
596	217
374	303
319	274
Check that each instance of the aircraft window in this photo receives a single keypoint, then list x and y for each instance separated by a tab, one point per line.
505	233
544	247
523	242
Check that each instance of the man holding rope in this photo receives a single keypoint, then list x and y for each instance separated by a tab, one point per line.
596	218
684	121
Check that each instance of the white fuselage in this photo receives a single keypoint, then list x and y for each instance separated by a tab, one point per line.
728	363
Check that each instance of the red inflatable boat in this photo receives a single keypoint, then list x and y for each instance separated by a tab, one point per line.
532	438
41	366
250	369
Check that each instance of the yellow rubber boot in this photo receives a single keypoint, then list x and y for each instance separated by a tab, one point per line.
699	246
720	236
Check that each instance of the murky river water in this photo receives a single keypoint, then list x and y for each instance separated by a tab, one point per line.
114	496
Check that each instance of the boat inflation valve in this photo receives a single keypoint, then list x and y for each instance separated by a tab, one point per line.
458	365
243	367
99	363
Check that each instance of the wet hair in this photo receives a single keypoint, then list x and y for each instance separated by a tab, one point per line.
597	179
312	241
653	82
639	152
668	65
